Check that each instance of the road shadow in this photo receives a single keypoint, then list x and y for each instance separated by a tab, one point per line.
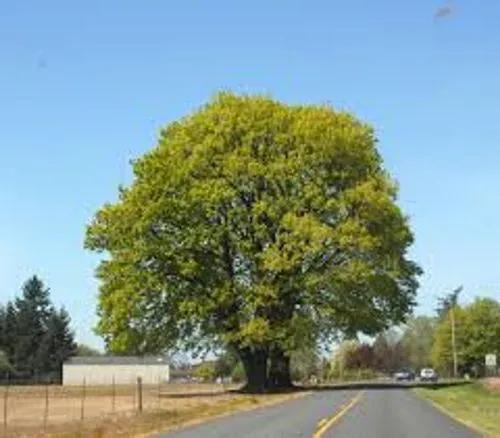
372	385
195	394
385	385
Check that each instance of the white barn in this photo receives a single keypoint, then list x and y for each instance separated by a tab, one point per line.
123	370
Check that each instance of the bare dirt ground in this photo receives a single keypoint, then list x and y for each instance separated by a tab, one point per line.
35	407
493	383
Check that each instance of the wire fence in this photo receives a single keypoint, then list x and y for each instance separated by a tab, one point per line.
42	407
35	410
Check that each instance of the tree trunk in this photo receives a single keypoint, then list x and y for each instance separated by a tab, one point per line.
279	371
255	365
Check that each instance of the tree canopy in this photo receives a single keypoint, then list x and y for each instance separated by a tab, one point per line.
255	225
477	329
417	341
448	301
85	350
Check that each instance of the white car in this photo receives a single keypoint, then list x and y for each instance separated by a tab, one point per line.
428	375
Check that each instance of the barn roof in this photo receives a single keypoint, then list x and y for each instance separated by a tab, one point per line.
117	360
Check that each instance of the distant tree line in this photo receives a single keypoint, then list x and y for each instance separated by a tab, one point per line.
394	349
35	336
427	341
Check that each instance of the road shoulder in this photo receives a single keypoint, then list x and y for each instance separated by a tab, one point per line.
425	395
242	403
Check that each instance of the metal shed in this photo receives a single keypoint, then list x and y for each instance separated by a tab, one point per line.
123	370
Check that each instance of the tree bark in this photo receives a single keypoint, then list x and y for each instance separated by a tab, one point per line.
255	365
279	370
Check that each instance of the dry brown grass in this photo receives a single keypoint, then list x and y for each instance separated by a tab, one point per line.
492	383
168	406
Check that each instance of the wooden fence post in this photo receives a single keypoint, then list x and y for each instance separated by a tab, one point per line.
159	392
5	403
46	411
113	394
139	394
82	410
134	394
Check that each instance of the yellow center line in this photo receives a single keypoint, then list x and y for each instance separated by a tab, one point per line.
327	423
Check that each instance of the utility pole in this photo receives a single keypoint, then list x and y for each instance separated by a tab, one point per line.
453	301
447	307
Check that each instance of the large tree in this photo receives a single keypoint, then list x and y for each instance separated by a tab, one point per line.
254	224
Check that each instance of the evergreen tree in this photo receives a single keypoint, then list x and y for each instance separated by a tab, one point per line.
35	338
58	343
3	317
85	350
448	302
9	326
5	366
32	312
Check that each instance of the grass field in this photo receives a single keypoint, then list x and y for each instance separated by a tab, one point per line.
57	411
473	404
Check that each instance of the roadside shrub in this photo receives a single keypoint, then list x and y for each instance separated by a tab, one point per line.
238	374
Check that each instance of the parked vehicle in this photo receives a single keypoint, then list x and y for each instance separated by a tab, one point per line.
428	375
404	375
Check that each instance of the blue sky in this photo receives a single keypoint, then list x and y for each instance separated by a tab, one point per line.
85	86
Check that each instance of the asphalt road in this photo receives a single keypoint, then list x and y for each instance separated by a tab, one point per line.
371	413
